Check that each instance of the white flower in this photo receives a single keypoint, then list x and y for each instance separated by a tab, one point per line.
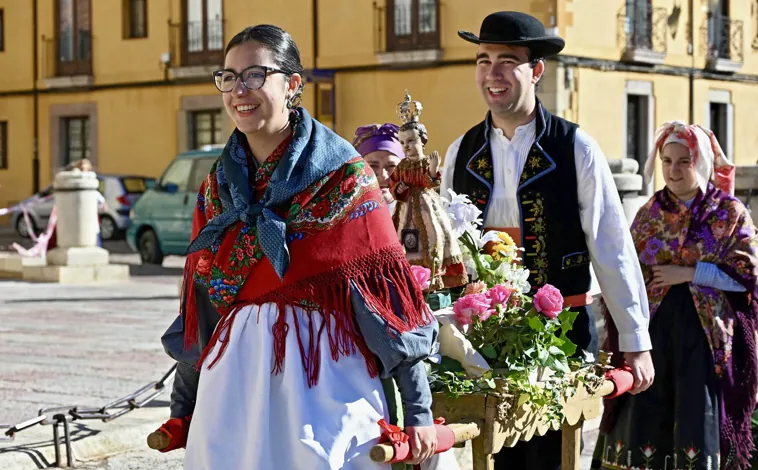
463	214
470	265
515	276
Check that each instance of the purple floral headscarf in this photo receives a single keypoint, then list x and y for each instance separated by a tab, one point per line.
378	137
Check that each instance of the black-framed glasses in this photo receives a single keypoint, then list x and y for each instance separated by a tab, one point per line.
252	77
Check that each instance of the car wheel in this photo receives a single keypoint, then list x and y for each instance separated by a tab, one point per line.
108	228
21	228
149	249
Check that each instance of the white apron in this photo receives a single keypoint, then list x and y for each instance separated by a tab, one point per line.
247	418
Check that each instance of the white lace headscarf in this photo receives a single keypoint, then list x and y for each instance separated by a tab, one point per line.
710	162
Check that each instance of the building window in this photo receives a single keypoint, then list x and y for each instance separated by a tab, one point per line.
639	22
74	38
205	128
2	30
412	24
203	32
638	131
719	123
135	19
75	133
3	145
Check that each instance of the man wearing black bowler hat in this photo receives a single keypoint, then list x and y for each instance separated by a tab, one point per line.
547	183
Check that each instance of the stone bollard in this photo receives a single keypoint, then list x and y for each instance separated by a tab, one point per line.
628	184
76	205
77	259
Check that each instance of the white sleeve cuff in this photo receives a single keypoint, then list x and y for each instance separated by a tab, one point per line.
635	342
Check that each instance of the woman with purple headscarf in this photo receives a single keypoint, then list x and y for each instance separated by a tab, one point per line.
380	147
697	247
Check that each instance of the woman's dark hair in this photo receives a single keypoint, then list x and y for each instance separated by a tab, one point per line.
418	127
279	43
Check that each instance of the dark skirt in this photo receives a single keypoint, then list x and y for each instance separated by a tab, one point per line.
675	423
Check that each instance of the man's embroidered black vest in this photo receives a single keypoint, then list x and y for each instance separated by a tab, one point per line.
551	230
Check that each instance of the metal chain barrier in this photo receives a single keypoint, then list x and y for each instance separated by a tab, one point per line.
63	415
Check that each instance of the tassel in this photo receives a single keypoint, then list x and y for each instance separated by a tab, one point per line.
224	326
188	306
279	331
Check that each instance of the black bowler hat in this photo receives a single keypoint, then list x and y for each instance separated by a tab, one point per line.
513	28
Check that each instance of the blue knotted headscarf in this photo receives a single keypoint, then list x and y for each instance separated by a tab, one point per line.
315	152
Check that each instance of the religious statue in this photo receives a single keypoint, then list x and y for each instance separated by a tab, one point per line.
422	224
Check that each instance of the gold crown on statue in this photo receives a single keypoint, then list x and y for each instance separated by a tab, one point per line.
409	110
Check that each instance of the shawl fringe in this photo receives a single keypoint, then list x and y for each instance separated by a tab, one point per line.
375	275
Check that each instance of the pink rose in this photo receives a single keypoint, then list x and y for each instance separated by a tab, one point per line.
477	287
472	305
498	295
423	276
549	301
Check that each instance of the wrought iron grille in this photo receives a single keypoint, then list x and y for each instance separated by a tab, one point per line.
642	27
723	38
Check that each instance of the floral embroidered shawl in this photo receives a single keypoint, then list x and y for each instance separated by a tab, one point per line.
717	229
309	223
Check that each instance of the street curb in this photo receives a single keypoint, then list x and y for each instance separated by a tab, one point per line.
33	448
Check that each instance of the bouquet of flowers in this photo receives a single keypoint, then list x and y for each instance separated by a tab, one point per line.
522	338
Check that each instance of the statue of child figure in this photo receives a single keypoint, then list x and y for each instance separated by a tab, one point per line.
422	223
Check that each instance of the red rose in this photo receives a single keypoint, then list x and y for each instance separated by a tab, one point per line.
548	301
250	250
348	184
240	254
321	208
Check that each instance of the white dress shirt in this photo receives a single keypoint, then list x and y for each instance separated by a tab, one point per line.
614	259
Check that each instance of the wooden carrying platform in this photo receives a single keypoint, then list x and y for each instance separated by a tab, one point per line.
501	424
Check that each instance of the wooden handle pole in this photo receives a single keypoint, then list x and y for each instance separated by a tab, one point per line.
158	440
383	453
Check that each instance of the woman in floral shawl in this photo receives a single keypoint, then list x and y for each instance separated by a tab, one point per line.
297	295
697	247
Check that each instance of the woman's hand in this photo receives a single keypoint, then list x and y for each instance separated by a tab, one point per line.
401	187
423	441
669	275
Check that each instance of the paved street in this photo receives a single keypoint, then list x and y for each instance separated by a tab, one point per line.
87	345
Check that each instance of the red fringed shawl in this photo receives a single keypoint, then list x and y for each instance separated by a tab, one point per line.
338	230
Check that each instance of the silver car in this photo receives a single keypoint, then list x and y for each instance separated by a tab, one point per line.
119	191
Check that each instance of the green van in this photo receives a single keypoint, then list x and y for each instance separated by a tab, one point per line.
161	219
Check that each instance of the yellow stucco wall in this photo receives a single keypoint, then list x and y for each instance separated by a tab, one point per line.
450	98
352	32
16	181
16	60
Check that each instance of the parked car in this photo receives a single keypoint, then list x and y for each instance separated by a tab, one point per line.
161	220
119	191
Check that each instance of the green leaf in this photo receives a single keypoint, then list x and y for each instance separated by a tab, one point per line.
490	383
536	324
555	351
543	355
523	398
566	319
489	351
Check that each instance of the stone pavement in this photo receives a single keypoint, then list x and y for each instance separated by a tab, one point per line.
86	346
